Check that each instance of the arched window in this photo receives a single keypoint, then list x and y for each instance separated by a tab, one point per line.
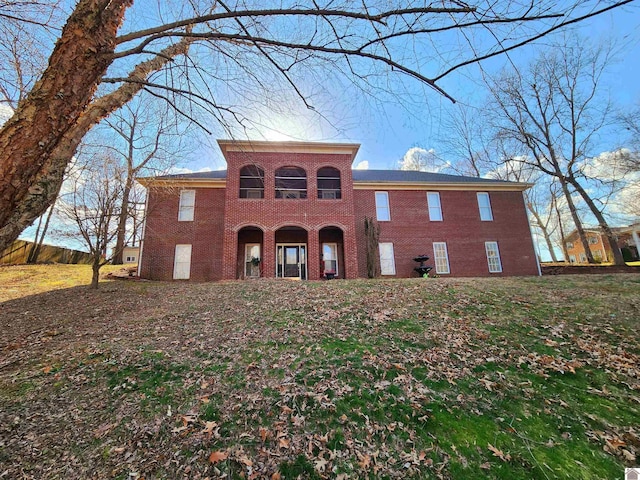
329	183
251	182
291	182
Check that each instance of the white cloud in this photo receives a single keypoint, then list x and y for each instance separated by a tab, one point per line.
423	160
363	165
6	112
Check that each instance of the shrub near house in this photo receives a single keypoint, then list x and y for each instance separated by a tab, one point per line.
300	209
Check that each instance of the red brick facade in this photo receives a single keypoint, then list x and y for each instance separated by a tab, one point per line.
223	223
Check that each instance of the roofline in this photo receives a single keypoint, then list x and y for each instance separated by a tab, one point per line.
478	186
288	147
191	182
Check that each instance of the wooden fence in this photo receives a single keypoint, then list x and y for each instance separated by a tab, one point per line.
19	251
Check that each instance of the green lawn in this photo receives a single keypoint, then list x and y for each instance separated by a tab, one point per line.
530	378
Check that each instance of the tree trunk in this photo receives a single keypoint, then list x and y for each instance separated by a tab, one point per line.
563	245
618	259
95	272
576	220
31	169
122	224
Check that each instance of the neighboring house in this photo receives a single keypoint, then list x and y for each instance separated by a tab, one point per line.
628	239
130	255
297	210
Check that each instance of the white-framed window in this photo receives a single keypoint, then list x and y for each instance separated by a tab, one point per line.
593	240
252	260
382	207
583	257
569	245
484	205
182	262
597	255
330	258
130	259
387	260
441	257
187	205
435	210
572	259
493	257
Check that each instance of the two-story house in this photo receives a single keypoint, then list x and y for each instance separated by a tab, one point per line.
297	210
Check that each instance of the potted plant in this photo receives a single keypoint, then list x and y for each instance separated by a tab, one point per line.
255	261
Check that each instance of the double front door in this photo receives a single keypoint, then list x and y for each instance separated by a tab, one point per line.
291	261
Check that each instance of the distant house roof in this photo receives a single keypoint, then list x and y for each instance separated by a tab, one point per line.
363	177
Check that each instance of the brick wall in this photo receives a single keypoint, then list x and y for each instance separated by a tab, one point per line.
412	233
271	214
163	231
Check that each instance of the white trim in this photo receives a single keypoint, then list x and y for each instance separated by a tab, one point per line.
485	208
305	263
334	246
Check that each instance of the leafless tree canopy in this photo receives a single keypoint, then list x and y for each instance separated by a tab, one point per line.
226	57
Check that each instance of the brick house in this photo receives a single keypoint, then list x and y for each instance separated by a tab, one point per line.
298	210
628	239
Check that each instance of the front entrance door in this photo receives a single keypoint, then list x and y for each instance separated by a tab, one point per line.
291	261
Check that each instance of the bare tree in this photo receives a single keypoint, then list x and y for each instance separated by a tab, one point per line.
99	64
552	113
91	208
145	138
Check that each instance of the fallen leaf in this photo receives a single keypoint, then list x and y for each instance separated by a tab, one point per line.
218	456
499	453
47	369
276	476
209	428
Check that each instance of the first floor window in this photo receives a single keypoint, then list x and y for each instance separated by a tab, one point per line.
583	258
441	257
569	245
130	259
330	258
493	257
382	207
182	262
187	205
387	261
572	259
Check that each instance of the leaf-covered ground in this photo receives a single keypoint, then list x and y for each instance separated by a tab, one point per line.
534	378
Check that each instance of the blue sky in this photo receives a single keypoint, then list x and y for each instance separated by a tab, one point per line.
387	129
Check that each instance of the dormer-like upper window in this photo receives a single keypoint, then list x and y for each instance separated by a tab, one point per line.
329	183
251	182
291	182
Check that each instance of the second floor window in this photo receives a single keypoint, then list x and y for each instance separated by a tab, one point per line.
435	210
291	182
329	183
187	205
382	207
485	207
251	182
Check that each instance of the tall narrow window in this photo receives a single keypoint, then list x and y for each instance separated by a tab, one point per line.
382	207
330	258
485	207
441	257
182	262
251	182
329	183
387	259
493	257
187	205
291	182
435	210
